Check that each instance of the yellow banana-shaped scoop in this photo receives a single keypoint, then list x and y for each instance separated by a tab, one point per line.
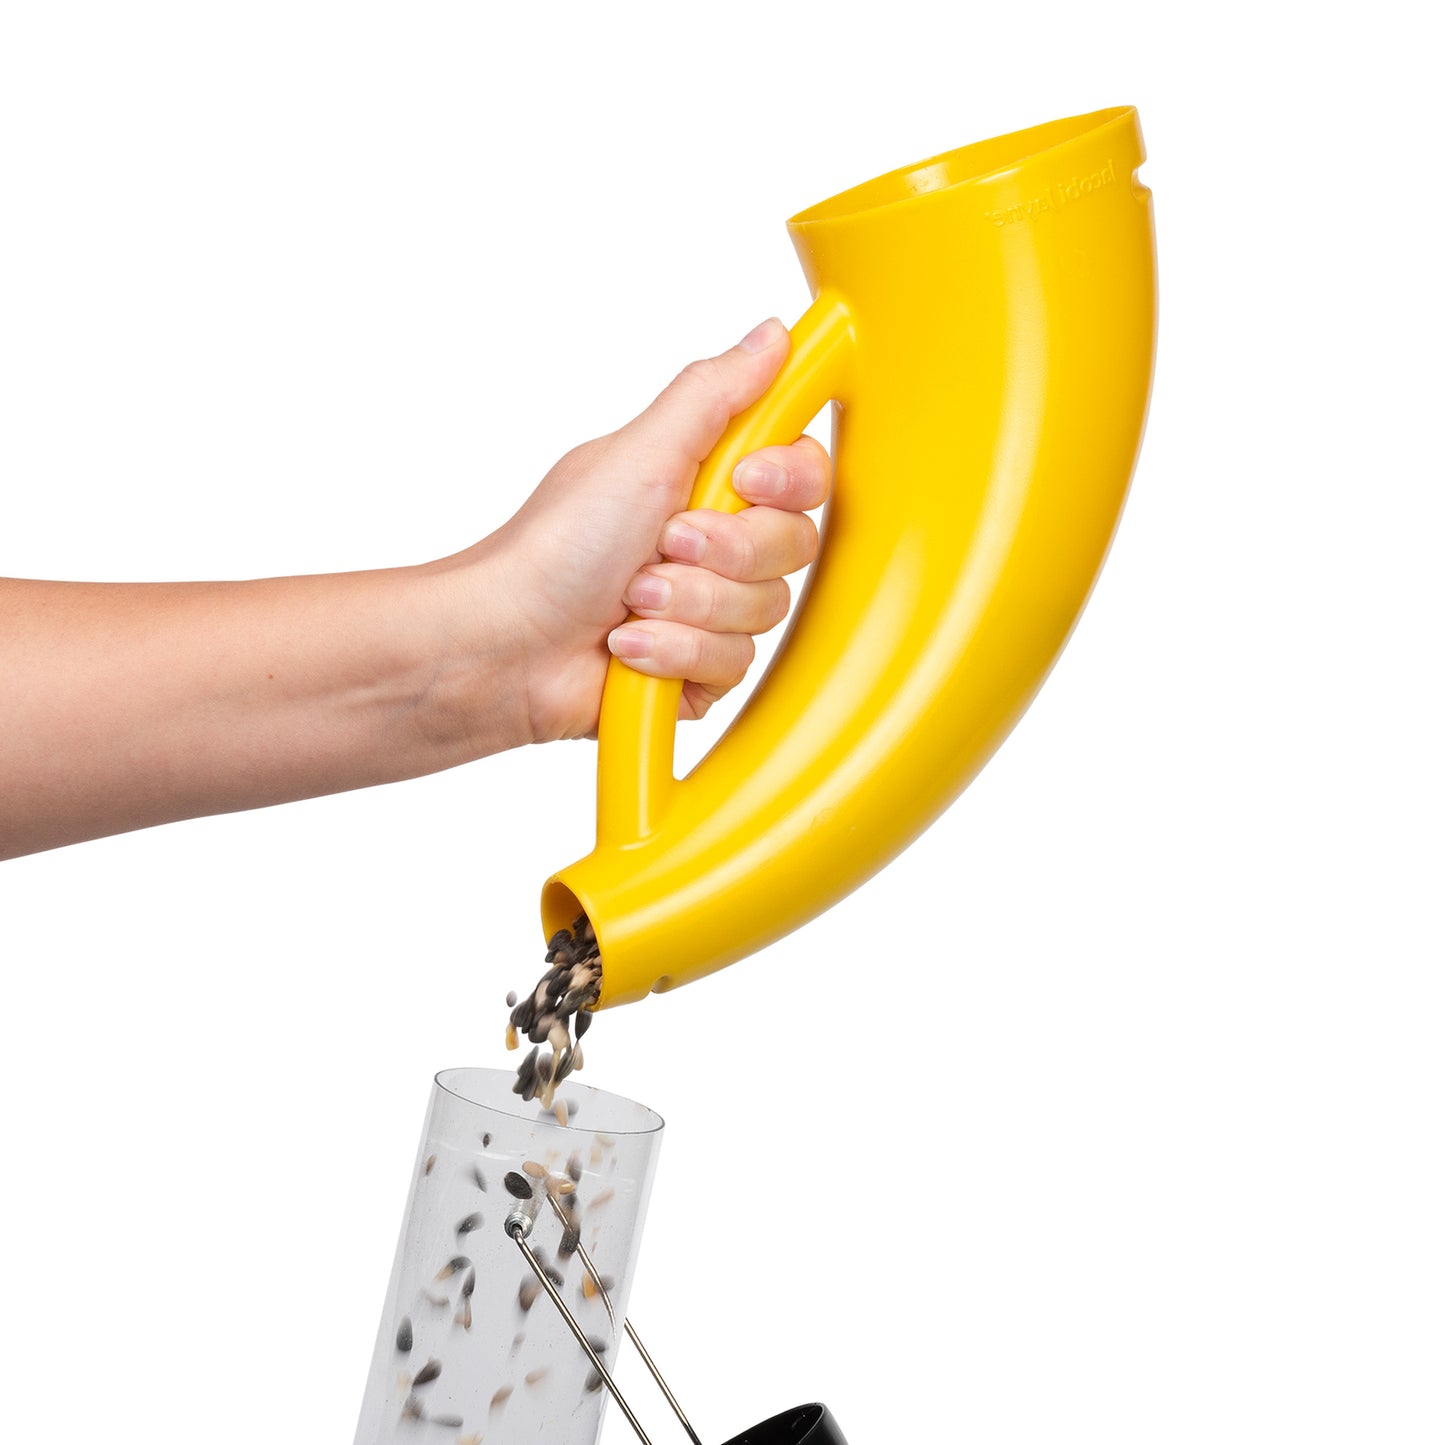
984	323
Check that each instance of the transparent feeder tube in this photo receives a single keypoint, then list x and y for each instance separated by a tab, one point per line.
468	1343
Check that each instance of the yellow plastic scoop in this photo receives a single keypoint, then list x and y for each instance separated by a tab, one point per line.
984	325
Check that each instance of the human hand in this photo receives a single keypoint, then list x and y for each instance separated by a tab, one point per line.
139	704
605	533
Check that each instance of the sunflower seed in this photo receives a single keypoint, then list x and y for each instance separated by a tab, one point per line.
427	1373
517	1185
567	991
589	1286
403	1335
526	1075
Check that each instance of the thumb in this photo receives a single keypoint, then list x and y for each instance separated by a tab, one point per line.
692	413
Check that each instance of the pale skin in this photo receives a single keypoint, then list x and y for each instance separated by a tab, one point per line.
124	706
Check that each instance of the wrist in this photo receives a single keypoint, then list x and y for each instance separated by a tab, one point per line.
472	697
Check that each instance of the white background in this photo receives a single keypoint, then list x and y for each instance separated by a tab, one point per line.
301	287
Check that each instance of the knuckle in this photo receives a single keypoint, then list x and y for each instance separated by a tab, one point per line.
780	600
693	652
696	700
813	477
746	652
748	552
714	607
820	486
702	372
807	541
585	456
705	381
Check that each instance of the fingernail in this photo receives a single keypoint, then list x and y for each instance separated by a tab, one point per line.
630	642
761	336
685	543
760	479
649	592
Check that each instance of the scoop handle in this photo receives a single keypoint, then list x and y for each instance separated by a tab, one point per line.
637	724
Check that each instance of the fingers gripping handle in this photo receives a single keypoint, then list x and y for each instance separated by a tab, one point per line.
638	720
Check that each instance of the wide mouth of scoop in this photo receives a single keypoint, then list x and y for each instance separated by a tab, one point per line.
983	160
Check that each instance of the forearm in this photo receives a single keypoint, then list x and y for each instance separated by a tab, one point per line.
127	705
